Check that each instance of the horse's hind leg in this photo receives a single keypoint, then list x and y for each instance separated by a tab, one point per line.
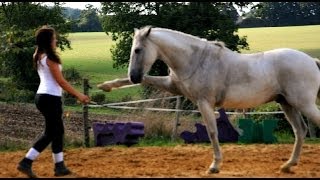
300	131
208	116
312	113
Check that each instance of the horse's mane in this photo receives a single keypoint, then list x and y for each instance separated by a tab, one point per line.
221	44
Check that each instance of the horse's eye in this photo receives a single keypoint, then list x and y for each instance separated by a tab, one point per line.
137	51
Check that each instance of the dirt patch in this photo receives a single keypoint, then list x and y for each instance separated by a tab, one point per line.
256	160
22	123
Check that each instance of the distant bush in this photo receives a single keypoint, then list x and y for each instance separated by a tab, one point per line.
126	98
252	22
72	75
10	93
283	124
98	98
69	99
7	145
158	129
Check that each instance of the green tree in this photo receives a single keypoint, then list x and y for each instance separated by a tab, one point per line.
210	20
89	20
72	17
229	10
71	13
288	13
19	21
311	12
203	19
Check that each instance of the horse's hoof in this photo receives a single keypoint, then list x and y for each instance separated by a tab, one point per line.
104	88
213	171
99	86
285	169
294	164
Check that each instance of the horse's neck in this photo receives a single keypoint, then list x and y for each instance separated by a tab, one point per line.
173	41
178	51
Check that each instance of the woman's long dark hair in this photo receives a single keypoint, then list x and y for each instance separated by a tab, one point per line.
44	38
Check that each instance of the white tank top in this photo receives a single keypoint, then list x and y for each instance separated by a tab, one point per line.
48	85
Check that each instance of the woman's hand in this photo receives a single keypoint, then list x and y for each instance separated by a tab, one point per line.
84	99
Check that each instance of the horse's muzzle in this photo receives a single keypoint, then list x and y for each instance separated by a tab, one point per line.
136	77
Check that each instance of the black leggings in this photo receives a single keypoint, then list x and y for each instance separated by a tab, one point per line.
51	108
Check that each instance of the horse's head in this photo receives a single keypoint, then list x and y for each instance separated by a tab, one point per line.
143	55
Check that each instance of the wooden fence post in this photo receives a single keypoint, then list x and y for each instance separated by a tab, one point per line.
244	111
85	114
176	122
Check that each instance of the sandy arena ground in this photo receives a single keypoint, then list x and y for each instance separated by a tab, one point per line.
257	160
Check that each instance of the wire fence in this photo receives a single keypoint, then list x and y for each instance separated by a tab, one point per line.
166	116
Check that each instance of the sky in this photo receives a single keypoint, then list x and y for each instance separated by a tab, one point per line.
78	5
82	5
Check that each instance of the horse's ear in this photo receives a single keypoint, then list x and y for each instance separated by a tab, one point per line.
148	32
135	30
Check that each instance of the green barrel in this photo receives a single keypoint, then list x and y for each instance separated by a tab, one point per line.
257	131
268	127
247	134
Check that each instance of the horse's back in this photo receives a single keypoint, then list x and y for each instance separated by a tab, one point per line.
292	60
295	70
268	74
289	55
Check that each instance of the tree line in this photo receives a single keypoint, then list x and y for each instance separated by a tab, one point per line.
210	20
19	21
274	14
87	20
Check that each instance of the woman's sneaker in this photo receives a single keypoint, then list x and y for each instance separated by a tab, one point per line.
61	170
25	166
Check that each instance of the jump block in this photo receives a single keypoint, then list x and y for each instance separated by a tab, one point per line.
258	131
226	132
110	133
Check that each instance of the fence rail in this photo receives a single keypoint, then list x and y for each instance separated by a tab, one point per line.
177	110
133	102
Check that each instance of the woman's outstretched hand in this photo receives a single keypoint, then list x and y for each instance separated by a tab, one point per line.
84	99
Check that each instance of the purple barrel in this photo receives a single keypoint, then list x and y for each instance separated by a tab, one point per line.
109	133
226	132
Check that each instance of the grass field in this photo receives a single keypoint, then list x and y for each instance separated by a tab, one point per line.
304	38
92	57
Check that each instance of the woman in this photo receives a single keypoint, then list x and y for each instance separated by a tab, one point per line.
48	102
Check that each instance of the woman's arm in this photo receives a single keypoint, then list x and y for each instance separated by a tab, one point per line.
57	74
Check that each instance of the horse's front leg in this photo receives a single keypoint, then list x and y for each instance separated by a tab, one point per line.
108	85
161	82
207	112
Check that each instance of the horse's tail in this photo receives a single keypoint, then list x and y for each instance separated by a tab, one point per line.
318	62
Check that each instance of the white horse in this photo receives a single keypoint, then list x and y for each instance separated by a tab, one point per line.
211	75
